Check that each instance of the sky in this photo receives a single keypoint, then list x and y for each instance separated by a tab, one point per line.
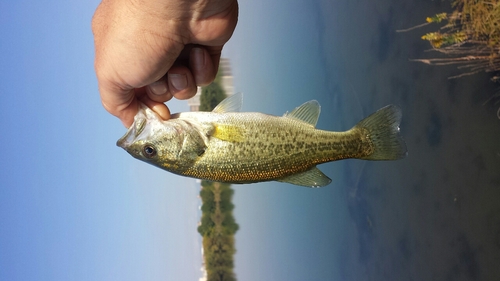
73	206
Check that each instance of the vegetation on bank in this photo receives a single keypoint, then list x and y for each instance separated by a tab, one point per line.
212	94
469	38
218	225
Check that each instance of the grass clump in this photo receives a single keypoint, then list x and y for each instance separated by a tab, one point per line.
469	38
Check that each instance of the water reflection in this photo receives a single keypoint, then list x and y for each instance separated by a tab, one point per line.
432	216
218	228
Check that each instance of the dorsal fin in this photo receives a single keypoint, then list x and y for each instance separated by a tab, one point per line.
307	112
230	104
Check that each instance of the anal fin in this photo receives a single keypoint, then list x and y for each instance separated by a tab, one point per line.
310	178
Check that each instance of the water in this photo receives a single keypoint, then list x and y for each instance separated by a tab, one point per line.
432	216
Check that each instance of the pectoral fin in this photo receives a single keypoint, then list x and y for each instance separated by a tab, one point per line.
231	133
310	178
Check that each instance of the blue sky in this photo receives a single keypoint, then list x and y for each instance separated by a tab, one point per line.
73	206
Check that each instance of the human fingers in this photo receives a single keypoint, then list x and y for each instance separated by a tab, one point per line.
202	66
160	108
203	62
181	82
126	110
178	82
124	107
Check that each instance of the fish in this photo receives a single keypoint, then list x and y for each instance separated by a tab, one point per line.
226	145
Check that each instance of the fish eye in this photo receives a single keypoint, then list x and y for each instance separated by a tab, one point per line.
149	151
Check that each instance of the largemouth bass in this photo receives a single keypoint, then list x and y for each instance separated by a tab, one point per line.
246	147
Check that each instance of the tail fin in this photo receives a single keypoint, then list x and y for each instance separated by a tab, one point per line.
383	128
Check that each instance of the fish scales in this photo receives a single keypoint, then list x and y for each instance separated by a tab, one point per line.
228	146
272	147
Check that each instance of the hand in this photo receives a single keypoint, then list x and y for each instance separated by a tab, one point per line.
153	50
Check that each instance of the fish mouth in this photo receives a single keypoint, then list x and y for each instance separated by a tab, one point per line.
132	133
126	140
134	130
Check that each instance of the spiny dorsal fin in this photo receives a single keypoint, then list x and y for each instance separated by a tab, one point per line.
310	178
308	113
230	104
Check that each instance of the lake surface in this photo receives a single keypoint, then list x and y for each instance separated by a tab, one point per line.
431	216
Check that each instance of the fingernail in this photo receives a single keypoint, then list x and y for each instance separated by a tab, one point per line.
198	57
179	81
158	88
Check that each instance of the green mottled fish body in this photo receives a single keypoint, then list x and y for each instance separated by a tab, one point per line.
267	147
234	147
